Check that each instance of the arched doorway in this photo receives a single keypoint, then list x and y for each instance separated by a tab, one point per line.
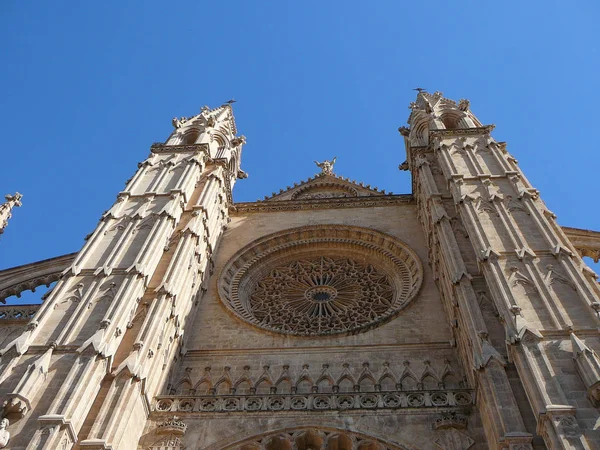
313	438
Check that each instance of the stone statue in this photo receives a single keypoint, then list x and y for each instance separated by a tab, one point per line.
463	105
326	166
404	131
178	122
4	434
6	209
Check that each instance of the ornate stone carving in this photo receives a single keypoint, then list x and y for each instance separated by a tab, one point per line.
464	104
450	419
280	284
326	166
177	123
172	426
453	439
324	190
15	280
166	443
325	203
6	209
4	434
19	313
334	401
320	296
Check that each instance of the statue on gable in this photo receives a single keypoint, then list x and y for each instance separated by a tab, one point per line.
4	434
326	166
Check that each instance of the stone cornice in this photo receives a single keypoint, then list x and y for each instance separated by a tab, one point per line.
322	203
401	347
17	279
586	242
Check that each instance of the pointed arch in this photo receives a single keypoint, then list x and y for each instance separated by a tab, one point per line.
223	386
408	381
324	383
264	385
190	135
387	382
346	383
366	381
203	387
303	437
243	385
284	385
184	387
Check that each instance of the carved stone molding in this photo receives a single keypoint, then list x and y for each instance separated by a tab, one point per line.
17	314
172	426
330	377
341	401
17	279
450	419
586	242
322	262
324	190
322	203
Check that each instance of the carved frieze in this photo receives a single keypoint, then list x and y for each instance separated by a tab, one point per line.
340	401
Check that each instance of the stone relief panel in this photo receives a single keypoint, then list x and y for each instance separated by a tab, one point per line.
321	280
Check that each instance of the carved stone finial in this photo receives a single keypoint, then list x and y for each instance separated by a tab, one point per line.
404	131
6	209
326	166
463	104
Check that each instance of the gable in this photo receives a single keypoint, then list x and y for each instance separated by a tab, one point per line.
325	186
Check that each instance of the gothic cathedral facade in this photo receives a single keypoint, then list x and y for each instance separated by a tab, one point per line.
331	315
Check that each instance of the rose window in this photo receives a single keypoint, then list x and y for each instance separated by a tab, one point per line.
321	294
321	280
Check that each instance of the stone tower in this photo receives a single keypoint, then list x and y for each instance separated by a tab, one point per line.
331	315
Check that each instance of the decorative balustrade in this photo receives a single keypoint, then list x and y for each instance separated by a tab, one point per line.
315	401
17	313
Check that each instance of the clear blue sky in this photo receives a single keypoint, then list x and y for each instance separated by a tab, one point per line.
88	86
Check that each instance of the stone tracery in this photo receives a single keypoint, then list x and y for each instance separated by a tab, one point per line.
321	280
320	295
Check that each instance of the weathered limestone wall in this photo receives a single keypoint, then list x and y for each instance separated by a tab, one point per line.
235	356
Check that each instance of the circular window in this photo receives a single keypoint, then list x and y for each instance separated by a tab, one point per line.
321	280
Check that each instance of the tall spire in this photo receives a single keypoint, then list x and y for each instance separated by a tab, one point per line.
6	209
